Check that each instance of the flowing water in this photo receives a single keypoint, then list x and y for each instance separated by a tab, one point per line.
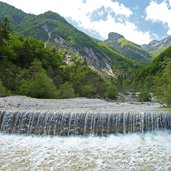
83	135
130	152
83	123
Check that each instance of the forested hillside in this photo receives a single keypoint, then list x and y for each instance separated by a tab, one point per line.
155	47
155	77
56	33
29	68
127	48
44	56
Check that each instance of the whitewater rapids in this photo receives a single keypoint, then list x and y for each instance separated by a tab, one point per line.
130	152
133	136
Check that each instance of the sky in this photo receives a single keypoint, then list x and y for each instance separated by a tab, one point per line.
140	21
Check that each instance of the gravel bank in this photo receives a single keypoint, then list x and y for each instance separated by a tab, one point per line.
77	104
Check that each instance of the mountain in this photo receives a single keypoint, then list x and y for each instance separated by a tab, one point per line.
155	47
127	48
29	68
159	63
57	33
147	76
153	77
15	16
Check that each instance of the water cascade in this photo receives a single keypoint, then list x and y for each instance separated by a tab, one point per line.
82	123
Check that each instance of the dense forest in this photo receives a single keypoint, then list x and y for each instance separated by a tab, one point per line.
29	68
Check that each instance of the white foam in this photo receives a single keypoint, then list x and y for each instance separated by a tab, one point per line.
122	152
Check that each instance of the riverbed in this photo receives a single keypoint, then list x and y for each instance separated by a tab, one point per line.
19	103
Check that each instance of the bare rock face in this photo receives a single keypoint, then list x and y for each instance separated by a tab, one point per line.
104	64
158	45
56	32
127	48
96	60
114	36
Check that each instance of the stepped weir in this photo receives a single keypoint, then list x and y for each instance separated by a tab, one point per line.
72	123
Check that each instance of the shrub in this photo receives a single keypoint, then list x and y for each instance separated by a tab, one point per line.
89	90
66	90
111	92
144	96
2	90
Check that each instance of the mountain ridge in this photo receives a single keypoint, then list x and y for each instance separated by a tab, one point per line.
56	32
127	48
155	47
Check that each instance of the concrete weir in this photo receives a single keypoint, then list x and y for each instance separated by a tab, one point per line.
80	116
72	123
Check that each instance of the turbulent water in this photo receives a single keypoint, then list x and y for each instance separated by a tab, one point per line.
83	135
130	152
83	123
81	116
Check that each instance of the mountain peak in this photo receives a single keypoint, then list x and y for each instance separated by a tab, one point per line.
157	46
114	36
127	48
52	15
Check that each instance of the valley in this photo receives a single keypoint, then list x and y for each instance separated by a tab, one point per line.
72	102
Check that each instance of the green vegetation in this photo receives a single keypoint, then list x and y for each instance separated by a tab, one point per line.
29	68
156	47
154	77
111	92
66	90
123	42
163	85
37	84
2	90
129	49
63	34
119	61
144	96
157	52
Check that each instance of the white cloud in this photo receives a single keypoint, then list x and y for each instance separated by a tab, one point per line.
159	13
81	11
128	29
68	7
169	1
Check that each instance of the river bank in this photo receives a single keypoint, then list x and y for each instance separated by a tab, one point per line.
27	103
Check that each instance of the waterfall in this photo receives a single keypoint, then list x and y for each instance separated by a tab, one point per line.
83	123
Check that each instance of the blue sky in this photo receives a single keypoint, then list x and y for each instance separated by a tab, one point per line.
138	20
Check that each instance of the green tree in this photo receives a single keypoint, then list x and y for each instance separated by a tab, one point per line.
66	90
38	85
111	92
5	31
163	86
89	90
2	90
144	96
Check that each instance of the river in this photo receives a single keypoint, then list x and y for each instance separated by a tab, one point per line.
130	152
83	135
